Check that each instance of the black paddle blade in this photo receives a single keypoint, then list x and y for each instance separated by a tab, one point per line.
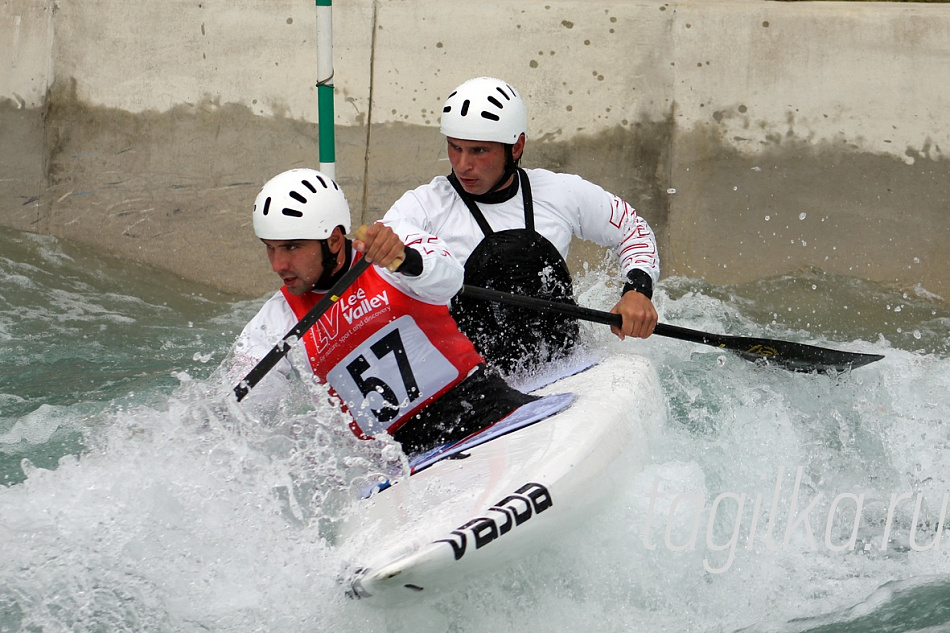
792	356
786	354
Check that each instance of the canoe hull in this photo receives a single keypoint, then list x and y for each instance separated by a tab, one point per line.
505	498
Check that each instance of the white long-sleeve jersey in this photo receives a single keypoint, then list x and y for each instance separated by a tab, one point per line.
565	205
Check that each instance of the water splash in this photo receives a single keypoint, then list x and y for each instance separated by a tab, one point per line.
144	499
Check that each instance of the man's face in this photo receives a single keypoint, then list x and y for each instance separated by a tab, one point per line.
299	263
477	164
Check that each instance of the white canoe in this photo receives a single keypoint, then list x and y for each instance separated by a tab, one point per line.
500	500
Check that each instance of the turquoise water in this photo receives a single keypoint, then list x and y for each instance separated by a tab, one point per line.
134	495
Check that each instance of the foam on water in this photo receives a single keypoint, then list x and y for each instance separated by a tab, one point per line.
168	521
156	503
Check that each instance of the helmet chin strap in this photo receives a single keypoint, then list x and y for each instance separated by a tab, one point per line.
328	278
511	166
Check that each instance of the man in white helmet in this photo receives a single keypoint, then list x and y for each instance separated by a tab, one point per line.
512	227
388	348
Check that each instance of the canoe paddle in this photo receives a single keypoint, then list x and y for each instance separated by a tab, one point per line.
308	321
793	356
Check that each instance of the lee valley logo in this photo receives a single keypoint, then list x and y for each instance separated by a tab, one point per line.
527	501
358	304
352	307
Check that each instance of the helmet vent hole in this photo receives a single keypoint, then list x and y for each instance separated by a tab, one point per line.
491	116
495	102
306	183
503	93
266	208
465	105
299	198
292	213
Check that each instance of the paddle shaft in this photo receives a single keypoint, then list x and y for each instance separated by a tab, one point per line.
308	321
793	356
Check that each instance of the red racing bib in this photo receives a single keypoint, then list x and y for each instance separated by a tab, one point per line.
385	354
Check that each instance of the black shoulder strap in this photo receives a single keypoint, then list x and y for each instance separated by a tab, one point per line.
527	201
467	199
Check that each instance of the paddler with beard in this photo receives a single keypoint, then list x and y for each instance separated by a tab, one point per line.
512	227
388	348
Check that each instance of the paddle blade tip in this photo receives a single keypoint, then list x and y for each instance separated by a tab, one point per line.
843	363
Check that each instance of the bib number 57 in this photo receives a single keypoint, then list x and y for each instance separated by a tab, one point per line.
389	374
389	344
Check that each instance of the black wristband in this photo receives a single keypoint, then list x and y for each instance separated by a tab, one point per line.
411	266
638	281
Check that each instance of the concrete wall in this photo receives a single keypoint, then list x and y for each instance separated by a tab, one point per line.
758	137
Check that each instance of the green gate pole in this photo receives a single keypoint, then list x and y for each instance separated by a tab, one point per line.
325	87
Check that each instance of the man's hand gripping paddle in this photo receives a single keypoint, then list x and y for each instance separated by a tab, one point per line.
792	356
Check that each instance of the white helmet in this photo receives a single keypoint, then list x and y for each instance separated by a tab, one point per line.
485	109
300	204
